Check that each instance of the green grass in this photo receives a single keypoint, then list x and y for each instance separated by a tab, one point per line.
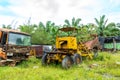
104	67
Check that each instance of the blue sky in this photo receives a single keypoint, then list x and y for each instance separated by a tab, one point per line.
57	10
4	3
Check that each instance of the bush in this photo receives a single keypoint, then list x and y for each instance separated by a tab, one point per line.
104	56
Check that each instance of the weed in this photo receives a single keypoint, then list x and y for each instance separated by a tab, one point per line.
104	67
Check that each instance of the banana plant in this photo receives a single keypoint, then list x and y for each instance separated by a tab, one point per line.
73	23
104	29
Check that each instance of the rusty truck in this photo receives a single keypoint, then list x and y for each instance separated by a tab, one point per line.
14	46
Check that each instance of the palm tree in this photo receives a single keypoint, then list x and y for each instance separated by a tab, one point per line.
45	33
52	30
41	26
85	32
28	27
101	23
74	22
111	30
6	26
104	29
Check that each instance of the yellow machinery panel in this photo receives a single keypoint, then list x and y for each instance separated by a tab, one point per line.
68	51
0	35
66	43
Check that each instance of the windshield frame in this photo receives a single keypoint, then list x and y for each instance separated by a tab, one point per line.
67	32
22	34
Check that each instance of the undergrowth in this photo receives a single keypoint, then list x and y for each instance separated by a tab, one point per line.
104	67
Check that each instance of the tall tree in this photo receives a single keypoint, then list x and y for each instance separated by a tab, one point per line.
101	23
41	33
104	29
73	23
85	32
52	30
6	26
28	27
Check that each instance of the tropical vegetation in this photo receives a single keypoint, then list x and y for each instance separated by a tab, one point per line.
46	33
104	67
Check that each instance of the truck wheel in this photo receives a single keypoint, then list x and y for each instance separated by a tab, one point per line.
67	62
44	59
77	59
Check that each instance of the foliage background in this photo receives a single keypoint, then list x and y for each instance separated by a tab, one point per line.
46	33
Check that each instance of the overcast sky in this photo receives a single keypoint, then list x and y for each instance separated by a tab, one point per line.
19	11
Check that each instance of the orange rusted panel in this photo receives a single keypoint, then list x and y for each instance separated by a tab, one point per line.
0	34
2	54
92	43
11	30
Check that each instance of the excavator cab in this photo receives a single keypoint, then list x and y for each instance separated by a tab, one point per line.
68	41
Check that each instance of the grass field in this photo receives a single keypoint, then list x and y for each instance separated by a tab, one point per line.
105	67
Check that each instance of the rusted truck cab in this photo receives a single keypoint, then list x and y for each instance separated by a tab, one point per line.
14	45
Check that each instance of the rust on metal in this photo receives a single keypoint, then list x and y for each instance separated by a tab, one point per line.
92	43
10	53
66	29
11	30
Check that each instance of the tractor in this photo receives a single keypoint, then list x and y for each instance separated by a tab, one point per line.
14	46
68	50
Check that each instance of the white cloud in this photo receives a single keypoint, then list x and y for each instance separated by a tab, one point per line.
1	8
114	17
58	10
115	2
13	21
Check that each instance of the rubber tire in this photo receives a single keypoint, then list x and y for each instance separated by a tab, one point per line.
65	61
77	57
44	59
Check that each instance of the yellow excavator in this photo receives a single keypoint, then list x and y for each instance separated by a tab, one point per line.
68	50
